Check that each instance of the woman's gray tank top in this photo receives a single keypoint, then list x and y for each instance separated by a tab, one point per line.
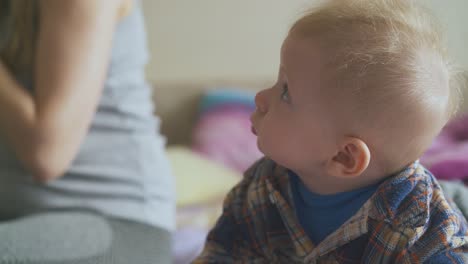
121	168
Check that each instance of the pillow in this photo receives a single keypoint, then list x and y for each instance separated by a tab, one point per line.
447	158
199	180
223	130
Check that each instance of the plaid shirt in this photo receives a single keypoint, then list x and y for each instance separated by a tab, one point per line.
407	220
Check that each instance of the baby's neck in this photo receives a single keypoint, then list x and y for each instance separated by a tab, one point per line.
321	183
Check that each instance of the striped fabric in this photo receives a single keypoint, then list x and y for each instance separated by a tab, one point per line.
408	220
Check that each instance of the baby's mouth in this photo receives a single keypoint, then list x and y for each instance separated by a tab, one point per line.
252	127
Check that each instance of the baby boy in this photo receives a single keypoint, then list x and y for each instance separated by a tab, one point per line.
363	88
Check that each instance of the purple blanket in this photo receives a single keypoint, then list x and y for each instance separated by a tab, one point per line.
447	158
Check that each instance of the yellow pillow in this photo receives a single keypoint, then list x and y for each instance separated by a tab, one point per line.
199	180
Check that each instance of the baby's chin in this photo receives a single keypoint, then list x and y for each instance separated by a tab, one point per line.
270	154
262	149
278	160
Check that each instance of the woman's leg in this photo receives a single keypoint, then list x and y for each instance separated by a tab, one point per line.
81	237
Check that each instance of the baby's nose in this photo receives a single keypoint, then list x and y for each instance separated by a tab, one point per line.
261	101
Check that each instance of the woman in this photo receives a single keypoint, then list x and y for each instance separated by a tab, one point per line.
77	131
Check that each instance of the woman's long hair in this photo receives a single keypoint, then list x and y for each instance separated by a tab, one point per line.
23	19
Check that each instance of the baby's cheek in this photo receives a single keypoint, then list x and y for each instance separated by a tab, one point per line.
275	146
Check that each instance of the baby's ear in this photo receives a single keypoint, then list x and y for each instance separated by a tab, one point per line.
351	160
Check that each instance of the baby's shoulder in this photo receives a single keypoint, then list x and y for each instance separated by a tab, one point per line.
417	201
422	219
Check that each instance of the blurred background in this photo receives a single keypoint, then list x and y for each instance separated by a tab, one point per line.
207	40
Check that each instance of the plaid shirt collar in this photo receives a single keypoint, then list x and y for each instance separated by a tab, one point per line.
382	206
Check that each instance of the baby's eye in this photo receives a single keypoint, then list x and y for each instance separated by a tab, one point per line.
285	93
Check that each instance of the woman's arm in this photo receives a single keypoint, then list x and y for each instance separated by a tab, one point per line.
45	128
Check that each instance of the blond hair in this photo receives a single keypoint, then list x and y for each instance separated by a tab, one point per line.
23	17
389	55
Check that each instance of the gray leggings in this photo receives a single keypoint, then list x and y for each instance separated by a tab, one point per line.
81	237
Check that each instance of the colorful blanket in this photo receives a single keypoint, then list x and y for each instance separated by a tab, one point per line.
447	158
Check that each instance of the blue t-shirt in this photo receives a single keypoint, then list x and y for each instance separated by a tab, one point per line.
321	215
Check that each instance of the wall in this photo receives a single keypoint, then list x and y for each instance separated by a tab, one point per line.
206	40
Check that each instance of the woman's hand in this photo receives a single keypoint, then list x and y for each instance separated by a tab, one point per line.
46	128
